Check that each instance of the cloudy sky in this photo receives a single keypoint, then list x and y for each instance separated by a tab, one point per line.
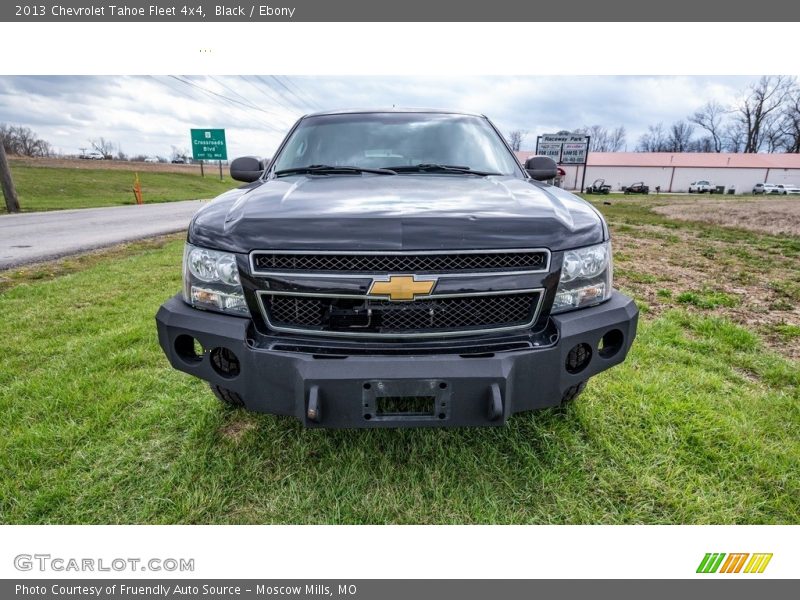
150	115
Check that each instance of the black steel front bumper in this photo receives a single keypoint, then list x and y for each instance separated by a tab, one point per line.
336	390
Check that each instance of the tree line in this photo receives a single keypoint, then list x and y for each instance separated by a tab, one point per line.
766	118
23	141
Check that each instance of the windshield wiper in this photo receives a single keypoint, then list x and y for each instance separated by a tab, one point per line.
438	168
331	170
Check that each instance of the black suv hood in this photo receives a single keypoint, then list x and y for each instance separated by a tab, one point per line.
396	212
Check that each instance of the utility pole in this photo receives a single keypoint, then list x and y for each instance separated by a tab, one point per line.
9	191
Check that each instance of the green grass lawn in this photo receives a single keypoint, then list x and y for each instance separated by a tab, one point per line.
700	425
47	188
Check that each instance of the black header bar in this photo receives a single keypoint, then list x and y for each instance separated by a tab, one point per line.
411	11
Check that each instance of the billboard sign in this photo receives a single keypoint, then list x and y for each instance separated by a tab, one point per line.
564	148
549	149
574	153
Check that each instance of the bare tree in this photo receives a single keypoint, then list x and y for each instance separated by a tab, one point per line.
734	137
603	140
103	146
655	140
6	139
789	124
680	136
183	153
23	141
758	112
774	138
703	144
515	139
711	117
617	138
27	142
598	137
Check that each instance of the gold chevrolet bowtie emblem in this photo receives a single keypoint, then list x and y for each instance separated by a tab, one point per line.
402	287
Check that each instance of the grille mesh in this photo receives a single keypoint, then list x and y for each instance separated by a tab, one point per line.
295	311
400	263
444	314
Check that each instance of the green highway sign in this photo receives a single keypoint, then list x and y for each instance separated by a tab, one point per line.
209	144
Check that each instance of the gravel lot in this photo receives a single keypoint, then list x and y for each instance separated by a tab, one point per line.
766	215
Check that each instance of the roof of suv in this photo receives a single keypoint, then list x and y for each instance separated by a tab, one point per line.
391	110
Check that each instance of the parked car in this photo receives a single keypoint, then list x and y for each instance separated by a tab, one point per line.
701	187
599	187
765	188
637	188
93	156
459	292
787	189
151	159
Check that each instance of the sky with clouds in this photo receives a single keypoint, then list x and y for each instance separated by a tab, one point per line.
150	115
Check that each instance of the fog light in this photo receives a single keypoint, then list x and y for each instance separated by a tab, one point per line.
225	362
578	358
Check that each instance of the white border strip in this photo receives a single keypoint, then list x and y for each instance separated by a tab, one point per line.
348	48
265	552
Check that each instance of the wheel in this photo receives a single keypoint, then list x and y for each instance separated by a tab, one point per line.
228	397
573	392
569	396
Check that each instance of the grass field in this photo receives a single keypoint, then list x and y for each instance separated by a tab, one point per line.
700	425
52	188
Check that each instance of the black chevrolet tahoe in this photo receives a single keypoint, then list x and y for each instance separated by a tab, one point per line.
393	269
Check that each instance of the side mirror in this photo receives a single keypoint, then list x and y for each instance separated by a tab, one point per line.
541	168
246	168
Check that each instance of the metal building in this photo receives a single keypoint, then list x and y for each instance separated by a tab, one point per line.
673	172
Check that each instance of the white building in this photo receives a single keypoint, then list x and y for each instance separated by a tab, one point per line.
673	172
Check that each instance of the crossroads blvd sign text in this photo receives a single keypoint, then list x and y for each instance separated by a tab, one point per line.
209	144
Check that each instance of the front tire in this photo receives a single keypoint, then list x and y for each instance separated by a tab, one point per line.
573	392
229	398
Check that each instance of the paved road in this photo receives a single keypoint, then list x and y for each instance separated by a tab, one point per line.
34	237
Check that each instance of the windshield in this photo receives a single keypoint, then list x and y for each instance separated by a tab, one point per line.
380	140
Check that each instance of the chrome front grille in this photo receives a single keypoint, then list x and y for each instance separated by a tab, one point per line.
382	294
346	316
531	260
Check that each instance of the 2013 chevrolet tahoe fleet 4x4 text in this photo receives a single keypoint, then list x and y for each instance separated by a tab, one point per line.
396	268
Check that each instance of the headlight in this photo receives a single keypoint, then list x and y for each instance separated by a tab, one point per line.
586	278
211	281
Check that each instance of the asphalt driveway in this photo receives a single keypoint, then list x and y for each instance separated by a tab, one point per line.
34	237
